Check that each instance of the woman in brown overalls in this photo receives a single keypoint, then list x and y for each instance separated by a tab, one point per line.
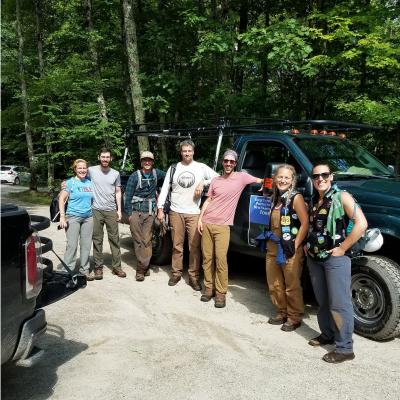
289	221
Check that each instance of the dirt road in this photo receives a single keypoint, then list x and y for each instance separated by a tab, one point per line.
120	339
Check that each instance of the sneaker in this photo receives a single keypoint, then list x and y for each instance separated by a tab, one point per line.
220	300
335	358
320	340
207	295
118	272
195	284
90	276
98	273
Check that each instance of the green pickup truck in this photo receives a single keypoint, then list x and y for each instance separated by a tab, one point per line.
262	147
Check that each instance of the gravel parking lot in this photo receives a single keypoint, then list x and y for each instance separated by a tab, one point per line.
121	339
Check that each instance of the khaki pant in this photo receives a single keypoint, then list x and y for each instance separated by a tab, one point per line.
181	223
141	225
284	285
214	244
110	220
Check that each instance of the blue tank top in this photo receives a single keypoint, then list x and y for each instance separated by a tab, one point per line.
80	197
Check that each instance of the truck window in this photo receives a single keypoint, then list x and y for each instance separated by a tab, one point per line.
258	154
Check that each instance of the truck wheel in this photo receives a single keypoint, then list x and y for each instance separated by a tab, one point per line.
162	248
375	287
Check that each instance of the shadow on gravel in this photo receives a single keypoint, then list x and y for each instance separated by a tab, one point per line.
37	382
248	286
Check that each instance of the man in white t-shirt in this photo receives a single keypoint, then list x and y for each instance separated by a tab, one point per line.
188	181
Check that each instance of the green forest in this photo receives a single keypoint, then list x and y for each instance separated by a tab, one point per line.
75	73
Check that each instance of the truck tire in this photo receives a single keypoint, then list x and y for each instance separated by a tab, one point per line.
162	248
375	287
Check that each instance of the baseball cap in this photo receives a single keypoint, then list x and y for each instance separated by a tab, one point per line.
146	154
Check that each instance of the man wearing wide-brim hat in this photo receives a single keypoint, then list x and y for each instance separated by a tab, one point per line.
140	206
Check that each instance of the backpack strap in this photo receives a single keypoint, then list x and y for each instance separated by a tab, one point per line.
139	181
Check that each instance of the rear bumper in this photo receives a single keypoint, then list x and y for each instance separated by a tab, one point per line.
32	330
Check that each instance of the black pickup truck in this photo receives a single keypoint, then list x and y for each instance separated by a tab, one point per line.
262	147
27	283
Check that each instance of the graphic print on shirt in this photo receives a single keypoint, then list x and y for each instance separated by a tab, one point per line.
186	179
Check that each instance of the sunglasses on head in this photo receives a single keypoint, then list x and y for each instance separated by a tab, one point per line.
323	175
229	161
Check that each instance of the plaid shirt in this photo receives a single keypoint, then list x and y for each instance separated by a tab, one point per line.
142	199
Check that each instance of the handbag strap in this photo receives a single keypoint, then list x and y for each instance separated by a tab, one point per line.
70	273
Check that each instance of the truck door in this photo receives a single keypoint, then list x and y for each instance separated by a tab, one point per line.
254	159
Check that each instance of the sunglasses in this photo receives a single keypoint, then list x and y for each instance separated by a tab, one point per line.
229	161
323	175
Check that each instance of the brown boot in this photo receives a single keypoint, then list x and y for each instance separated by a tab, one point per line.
139	276
207	295
119	272
98	273
220	300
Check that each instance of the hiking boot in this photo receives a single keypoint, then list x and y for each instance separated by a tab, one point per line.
277	320
320	340
220	301
90	276
289	326
207	295
195	284
139	276
98	273
119	272
335	358
173	280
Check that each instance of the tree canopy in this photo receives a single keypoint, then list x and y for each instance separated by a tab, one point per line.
94	66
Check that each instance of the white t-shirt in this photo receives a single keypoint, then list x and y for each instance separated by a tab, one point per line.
184	182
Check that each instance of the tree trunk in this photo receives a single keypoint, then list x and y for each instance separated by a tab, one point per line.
24	100
243	22
95	61
133	69
48	138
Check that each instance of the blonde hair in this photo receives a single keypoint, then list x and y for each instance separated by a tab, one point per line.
275	192
77	161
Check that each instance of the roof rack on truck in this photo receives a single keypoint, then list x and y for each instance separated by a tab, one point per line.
239	126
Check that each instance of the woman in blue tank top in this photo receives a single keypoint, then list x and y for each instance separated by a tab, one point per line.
77	218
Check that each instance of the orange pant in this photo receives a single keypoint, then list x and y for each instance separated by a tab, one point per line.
284	284
214	244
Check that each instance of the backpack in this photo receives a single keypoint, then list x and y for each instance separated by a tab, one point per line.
167	204
139	174
55	208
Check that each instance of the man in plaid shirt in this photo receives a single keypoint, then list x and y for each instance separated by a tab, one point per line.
140	206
